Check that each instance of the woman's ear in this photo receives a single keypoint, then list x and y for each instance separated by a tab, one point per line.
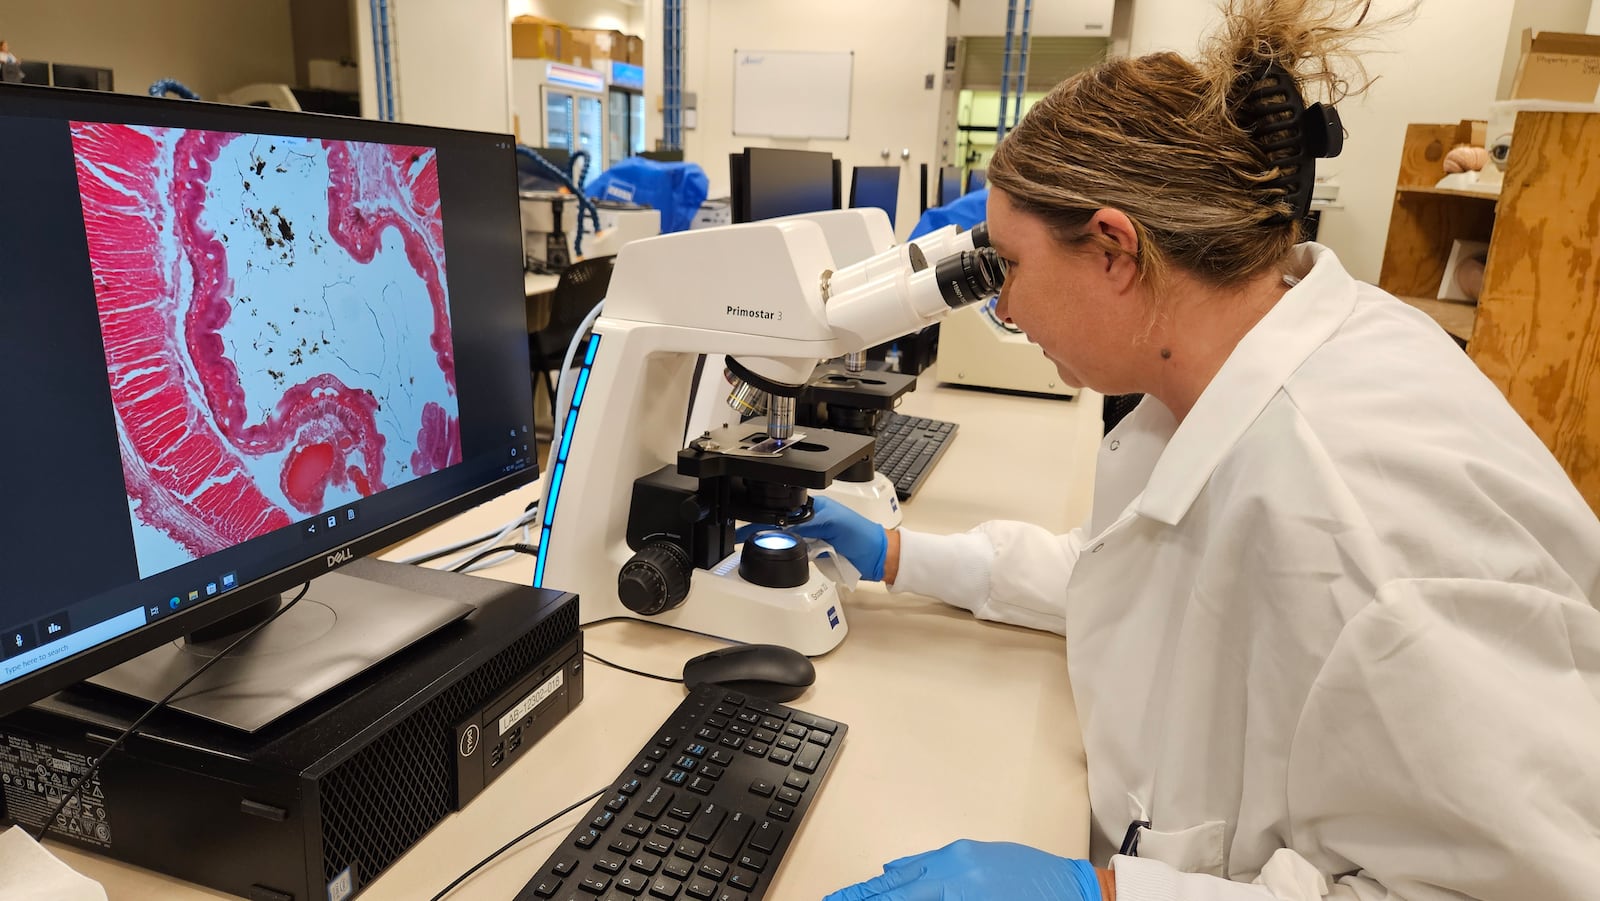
1119	240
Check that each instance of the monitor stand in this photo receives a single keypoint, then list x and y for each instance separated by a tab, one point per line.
342	626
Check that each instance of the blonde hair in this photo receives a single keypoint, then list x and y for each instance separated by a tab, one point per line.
1159	138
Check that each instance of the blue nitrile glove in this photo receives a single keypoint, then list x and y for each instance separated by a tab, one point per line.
979	871
857	538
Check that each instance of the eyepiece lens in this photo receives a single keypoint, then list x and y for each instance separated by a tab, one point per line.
970	276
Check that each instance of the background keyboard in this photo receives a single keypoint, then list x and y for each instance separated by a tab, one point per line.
908	447
705	811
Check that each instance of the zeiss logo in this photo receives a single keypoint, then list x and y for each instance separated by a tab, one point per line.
338	557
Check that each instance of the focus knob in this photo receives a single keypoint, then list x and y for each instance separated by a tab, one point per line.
655	579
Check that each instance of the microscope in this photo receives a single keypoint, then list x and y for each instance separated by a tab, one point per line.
640	522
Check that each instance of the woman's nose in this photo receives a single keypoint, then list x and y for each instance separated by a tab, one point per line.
1001	307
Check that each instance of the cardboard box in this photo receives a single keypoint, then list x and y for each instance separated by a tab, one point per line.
635	50
1558	66
600	46
534	37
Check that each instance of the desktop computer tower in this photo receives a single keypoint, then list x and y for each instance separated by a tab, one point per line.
319	803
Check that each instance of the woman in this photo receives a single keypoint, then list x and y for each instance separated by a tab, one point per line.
1331	628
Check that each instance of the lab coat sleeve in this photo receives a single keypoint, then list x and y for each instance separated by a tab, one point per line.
1009	572
1446	751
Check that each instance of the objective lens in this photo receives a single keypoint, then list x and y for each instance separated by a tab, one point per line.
970	276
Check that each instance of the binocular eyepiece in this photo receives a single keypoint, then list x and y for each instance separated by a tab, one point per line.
971	275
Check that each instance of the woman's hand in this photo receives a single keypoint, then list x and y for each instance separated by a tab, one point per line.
857	538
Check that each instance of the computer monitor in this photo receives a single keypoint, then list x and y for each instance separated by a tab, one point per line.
767	182
663	156
35	73
240	348
976	179
877	186
533	177
949	184
88	78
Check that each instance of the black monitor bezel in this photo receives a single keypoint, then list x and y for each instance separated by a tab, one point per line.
40	683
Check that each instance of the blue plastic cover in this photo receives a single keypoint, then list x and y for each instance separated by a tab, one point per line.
966	211
676	189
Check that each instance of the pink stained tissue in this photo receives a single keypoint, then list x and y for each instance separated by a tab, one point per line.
276	323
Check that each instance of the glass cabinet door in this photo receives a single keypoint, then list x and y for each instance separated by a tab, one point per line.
617	148
558	119
591	132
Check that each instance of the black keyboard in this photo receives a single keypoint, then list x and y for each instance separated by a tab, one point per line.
907	448
705	811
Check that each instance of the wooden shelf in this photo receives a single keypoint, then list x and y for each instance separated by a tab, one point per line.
1533	329
1454	316
1448	192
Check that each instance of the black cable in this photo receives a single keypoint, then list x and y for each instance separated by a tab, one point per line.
519	547
77	786
634	671
508	845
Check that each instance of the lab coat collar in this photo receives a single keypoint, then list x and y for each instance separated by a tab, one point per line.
1301	321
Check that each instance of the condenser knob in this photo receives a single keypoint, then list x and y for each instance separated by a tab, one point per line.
655	579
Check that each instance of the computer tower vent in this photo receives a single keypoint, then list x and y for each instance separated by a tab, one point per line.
386	797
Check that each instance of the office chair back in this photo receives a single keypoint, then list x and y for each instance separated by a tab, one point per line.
582	286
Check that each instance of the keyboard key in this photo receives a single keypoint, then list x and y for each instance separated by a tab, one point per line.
624	845
714	870
797	731
563	866
629	787
689	850
658	846
665	888
765	736
702	888
781	810
609	863
764	789
765	836
788	795
818	737
617	803
645	768
721	757
631	883
742	879
815	722
547	887
808	758
726	845
772	724
705	825
683	809
587	839
654	802
753	860
780	757
677	869
732	895
645	863
797	781
756	749
634	827
595	882
712	771
702	785
669	829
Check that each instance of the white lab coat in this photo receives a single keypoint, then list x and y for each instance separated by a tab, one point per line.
1333	635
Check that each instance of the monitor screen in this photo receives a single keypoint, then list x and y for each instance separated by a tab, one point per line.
784	182
240	347
949	184
89	78
877	186
977	179
663	156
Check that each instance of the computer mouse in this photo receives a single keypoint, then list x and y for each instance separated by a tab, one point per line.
769	671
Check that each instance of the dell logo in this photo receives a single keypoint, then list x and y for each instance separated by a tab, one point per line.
338	557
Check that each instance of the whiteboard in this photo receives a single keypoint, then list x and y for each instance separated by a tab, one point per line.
792	94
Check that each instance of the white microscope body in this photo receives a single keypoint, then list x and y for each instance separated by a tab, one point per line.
639	525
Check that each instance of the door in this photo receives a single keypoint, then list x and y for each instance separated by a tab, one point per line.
589	134
560	113
618	145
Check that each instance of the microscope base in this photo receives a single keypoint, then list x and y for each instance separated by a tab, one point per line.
808	618
876	500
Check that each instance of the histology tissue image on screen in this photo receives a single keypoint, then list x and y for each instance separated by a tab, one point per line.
276	326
